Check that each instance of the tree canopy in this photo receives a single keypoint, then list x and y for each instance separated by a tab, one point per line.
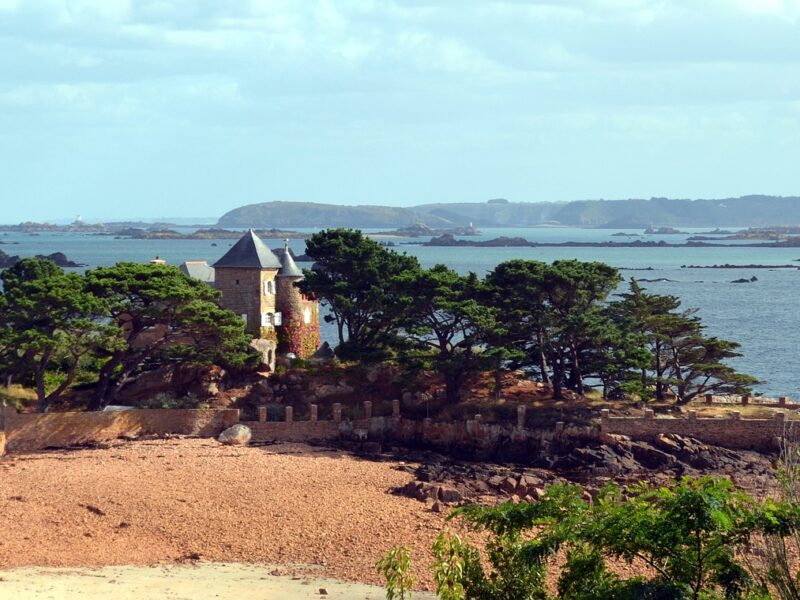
557	320
112	321
356	278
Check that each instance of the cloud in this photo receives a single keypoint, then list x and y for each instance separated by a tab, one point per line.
269	88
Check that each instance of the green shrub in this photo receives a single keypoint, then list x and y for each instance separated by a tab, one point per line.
692	536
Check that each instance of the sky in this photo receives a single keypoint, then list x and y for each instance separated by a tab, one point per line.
115	109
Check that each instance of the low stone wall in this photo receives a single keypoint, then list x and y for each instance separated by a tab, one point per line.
29	432
469	438
782	402
472	437
731	432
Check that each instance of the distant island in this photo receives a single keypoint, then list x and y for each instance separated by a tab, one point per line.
654	213
422	230
81	227
776	232
448	240
59	258
204	234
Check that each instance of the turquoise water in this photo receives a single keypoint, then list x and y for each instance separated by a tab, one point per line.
762	316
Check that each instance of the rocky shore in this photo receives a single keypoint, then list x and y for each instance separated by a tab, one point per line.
59	258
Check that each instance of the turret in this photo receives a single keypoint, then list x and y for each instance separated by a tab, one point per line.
299	331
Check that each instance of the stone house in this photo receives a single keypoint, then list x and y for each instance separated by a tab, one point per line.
260	287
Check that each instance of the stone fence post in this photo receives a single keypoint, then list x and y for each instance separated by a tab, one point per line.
745	399
605	414
780	417
521	410
649	414
314	412
262	413
736	415
367	409
693	415
337	412
782	400
289	414
478	418
395	408
709	398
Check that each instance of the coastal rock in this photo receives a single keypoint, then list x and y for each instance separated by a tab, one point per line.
59	258
237	435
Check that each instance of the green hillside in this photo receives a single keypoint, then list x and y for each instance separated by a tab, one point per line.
747	211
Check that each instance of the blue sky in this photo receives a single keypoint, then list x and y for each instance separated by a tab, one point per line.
122	108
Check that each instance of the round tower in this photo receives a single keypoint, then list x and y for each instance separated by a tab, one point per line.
299	330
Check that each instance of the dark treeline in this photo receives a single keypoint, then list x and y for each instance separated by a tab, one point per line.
560	322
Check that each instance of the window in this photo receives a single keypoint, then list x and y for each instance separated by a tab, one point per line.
244	318
237	282
307	315
269	318
269	288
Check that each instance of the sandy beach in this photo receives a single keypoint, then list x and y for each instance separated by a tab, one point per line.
182	582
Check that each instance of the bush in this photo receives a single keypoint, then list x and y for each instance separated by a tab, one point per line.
691	535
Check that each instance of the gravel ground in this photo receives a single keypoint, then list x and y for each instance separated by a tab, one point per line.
149	502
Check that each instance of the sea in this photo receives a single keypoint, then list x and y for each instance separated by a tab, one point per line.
763	315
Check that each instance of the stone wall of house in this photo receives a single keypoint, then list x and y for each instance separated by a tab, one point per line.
243	293
29	432
729	432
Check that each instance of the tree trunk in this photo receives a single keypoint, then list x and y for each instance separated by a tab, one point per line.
498	384
557	381
104	381
576	375
542	358
41	392
56	393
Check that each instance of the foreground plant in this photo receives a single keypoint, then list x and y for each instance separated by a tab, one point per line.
690	535
395	566
777	548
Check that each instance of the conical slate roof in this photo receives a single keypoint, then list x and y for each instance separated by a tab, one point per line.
249	252
288	266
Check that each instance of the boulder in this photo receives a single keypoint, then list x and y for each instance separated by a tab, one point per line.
509	484
650	457
238	435
449	495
